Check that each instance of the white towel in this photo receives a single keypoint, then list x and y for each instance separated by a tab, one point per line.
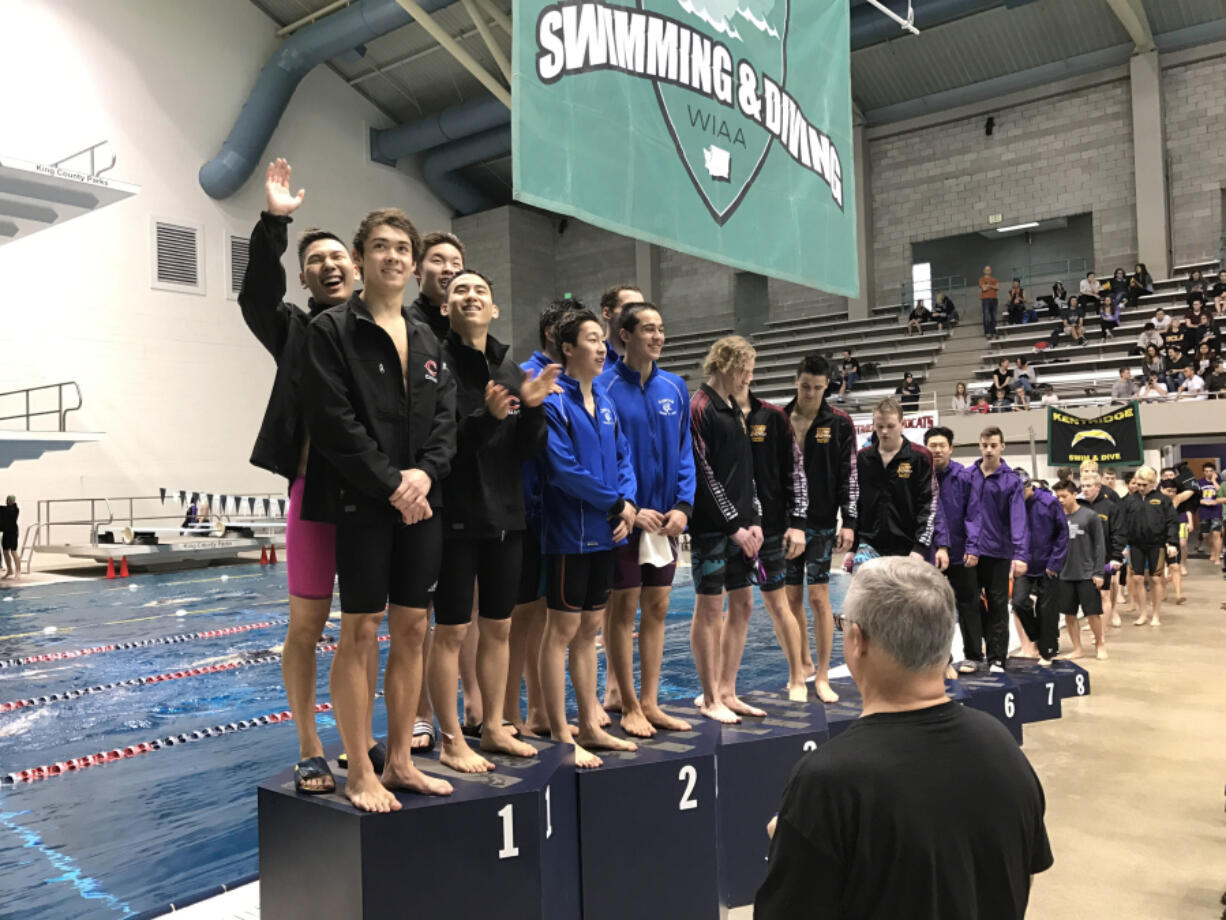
655	549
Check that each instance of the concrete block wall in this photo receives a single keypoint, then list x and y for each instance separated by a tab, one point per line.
1047	158
1194	96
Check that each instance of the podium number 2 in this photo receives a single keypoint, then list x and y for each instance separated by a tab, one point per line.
689	776
1010	709
509	849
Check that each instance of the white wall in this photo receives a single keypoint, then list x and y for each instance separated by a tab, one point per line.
175	380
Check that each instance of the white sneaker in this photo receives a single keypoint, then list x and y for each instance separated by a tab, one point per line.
996	669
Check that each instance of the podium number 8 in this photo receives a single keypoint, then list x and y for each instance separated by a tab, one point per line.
1010	709
688	775
1081	685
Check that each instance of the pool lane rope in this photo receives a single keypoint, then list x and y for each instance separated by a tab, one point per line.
262	658
140	643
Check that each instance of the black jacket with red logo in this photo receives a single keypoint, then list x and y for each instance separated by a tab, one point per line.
365	425
725	499
897	510
829	451
778	469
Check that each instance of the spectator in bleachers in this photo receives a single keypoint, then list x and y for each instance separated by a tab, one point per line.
1024	375
961	403
1154	362
1140	283
944	313
1154	389
1174	334
1003	401
1195	323
1216	381
989	291
1108	316
1002	377
917	318
1218	293
1176	361
1049	396
909	391
1195	282
1125	388
1075	328
1149	336
1117	286
1089	291
1193	384
850	368
1060	298
1016	302
1204	358
1161	320
981	405
1021	397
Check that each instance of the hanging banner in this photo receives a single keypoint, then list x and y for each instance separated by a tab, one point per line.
1111	438
914	426
720	128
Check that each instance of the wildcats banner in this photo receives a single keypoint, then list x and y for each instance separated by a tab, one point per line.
1114	437
913	426
721	128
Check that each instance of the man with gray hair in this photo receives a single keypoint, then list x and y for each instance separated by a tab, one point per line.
877	822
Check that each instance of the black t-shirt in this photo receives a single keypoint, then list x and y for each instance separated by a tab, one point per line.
851	366
1002	379
927	814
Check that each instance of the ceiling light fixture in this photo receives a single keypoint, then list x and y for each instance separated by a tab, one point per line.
1033	223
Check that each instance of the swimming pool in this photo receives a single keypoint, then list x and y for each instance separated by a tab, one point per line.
130	835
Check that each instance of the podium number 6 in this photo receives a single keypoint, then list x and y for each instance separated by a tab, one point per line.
1010	709
689	776
509	849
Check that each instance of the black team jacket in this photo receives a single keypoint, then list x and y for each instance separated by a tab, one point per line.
1149	520
897	510
282	329
365	427
725	500
425	312
778	469
829	451
484	494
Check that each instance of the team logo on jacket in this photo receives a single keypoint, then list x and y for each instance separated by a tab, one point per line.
757	433
431	370
821	435
513	406
668	406
904	470
606	415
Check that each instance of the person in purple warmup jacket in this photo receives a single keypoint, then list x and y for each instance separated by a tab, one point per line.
1038	616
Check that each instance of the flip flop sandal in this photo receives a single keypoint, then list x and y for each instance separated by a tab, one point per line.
422	727
309	769
377	754
474	731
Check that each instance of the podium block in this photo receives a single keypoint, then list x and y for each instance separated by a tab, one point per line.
955	691
1037	688
997	695
505	844
841	714
649	825
755	760
1071	678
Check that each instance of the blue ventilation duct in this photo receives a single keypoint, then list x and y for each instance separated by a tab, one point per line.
439	168
387	145
330	37
869	26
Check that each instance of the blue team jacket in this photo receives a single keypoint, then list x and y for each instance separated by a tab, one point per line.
587	471
532	466
655	420
1047	525
996	514
952	511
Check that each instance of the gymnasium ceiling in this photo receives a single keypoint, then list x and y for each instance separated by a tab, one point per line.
1012	45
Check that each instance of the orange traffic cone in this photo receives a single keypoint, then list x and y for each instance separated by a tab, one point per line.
263	555
123	566
110	568
272	554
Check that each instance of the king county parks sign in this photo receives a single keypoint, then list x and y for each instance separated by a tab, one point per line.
721	128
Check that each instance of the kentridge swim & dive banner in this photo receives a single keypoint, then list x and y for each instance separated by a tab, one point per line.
720	128
1111	438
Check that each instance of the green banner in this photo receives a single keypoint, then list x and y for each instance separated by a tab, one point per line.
1111	438
721	128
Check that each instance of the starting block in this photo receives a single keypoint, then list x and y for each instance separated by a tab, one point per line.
997	695
1038	690
649	822
514	829
756	758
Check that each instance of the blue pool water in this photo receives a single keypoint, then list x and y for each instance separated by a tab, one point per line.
135	834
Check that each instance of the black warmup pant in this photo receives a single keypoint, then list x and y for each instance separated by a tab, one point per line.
993	576
966	599
1040	615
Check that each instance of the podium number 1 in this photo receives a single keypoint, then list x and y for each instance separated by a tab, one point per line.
509	849
688	775
548	814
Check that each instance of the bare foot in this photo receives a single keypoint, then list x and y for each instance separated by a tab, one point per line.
719	712
661	719
798	693
1154	622
585	759
369	794
1101	653
637	724
1029	651
1182	599
1115	619
741	708
501	741
612	698
809	669
1141	620
824	691
1073	655
461	758
603	741
411	779
604	718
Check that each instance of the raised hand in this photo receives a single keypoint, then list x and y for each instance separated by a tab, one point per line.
497	400
281	201
535	389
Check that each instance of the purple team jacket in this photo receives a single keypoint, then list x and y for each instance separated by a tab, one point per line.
952	512
996	514
1048	526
